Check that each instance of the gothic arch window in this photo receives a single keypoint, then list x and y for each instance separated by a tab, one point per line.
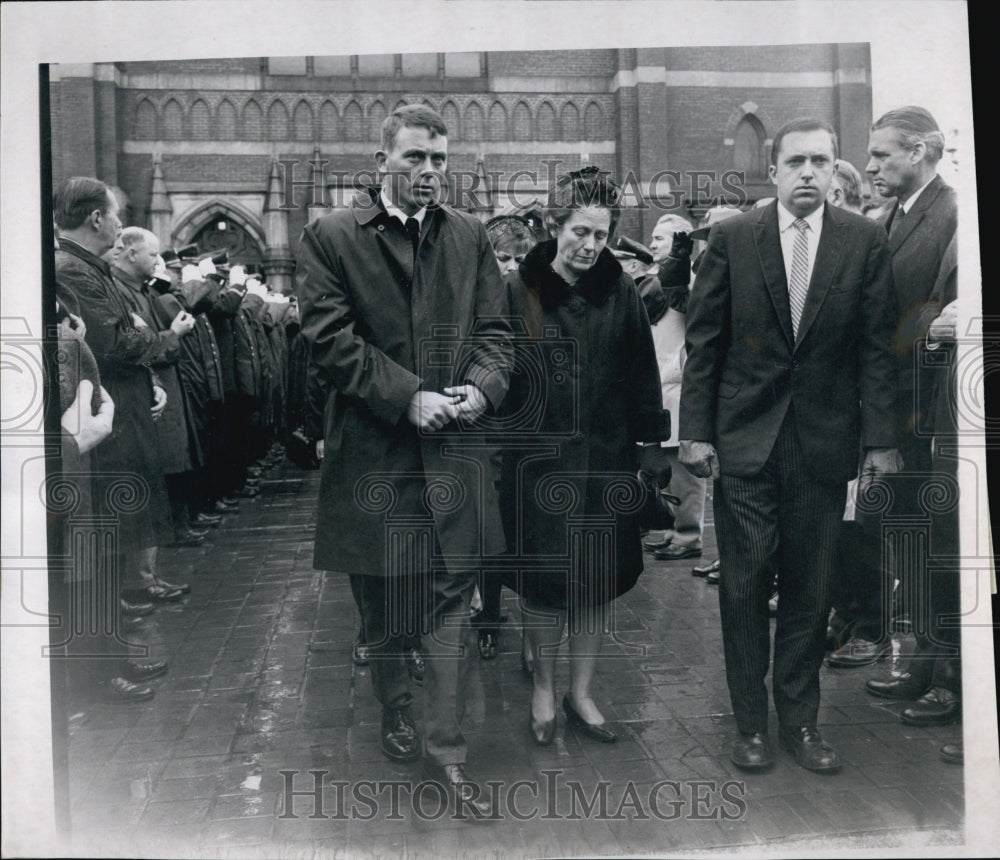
593	122
145	121
475	122
302	121
277	121
225	120
173	121
201	121
449	113
328	124
748	148
498	122
221	232
545	122
570	121
253	121
354	122
522	122
376	116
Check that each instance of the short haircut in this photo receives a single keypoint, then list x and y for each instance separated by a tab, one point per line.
136	236
803	124
677	222
510	230
914	125
411	116
579	189
76	198
849	179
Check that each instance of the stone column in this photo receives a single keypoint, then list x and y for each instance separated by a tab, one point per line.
160	210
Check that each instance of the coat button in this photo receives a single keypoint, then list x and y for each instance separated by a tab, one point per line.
381	227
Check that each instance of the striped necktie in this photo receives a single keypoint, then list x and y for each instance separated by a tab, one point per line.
798	284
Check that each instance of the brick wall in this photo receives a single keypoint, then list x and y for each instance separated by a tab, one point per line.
765	58
551	63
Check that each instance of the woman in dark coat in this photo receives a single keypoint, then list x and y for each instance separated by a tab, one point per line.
586	390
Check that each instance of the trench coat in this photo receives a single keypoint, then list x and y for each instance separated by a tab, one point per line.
585	358
128	478
382	323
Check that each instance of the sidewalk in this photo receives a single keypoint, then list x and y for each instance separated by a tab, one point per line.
261	681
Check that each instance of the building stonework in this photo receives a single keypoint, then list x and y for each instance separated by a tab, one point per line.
191	140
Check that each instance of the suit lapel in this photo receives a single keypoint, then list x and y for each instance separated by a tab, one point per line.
772	264
916	214
831	245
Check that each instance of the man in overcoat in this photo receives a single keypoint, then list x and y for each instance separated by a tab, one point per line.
789	370
404	311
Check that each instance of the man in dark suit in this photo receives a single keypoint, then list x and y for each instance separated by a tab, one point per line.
905	147
789	371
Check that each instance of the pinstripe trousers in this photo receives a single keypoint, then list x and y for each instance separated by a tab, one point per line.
781	520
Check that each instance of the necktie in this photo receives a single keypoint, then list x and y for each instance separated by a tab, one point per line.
798	284
897	222
413	228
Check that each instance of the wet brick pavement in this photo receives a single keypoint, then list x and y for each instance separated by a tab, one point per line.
261	681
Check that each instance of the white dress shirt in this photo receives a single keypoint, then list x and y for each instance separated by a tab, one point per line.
786	220
396	212
907	204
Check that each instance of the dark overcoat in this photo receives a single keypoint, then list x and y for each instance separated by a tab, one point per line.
584	391
381	326
122	351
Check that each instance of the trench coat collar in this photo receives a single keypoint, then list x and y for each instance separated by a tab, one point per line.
367	206
82	253
595	285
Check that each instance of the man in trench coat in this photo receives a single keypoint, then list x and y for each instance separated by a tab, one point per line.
404	312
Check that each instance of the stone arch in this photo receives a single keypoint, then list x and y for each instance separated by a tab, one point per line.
545	122
329	121
498	122
521	122
225	120
401	103
253	121
749	150
277	121
303	121
200	121
593	122
449	113
474	124
191	223
740	111
354	121
144	121
569	120
173	120
376	116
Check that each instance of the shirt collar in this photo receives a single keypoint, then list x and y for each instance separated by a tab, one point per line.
907	204
786	219
77	250
396	212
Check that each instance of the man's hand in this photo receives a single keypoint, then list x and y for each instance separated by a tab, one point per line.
878	461
655	461
320	449
138	321
88	430
429	410
159	402
182	323
945	325
699	458
471	401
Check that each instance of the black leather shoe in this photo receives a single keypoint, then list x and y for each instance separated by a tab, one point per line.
139	673
488	644
469	800
675	552
706	569
133	622
206	521
657	543
752	752
591	730
188	537
247	493
953	753
713	577
859	652
183	588
137	610
227	506
400	741
360	654
939	706
415	665
123	691
907	687
162	594
810	750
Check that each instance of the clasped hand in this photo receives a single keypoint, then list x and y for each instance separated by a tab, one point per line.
430	410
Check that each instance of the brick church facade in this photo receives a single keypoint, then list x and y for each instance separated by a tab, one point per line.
241	153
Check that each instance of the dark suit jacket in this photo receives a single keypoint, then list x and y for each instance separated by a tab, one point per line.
744	371
918	249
